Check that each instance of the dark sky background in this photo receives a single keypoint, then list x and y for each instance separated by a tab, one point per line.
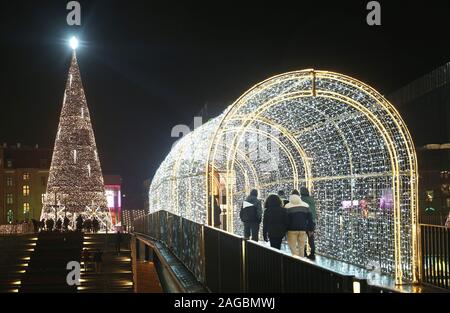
149	65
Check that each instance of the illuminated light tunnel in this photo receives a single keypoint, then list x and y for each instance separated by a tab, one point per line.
319	129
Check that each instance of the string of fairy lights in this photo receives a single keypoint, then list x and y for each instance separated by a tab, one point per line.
323	130
75	184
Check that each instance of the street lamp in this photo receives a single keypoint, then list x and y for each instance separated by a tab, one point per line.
73	43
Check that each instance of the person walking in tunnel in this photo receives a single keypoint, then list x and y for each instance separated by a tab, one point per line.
299	222
282	196
274	221
251	214
217	212
304	194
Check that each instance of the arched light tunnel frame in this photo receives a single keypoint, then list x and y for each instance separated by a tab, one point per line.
256	116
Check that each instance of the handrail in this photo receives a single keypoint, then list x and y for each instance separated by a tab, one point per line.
435	258
179	284
225	248
432	225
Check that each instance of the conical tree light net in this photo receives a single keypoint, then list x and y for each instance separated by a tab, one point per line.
323	130
75	184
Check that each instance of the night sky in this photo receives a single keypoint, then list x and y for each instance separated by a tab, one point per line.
147	66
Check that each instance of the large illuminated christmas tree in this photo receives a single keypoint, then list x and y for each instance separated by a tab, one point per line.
75	184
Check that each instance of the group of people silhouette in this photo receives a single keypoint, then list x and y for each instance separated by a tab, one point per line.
88	225
293	218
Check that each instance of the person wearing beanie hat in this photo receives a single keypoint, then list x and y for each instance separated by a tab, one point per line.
283	197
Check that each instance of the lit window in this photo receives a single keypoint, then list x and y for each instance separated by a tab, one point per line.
9	181
74	156
26	208
9	163
26	190
43	198
10	216
9	198
26	176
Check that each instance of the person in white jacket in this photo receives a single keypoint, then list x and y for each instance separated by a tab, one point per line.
299	222
251	215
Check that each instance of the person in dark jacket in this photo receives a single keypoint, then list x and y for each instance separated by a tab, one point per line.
98	260
299	222
251	214
304	193
95	225
87	225
35	225
282	196
118	241
59	224
79	223
42	225
49	223
274	221
217	212
66	223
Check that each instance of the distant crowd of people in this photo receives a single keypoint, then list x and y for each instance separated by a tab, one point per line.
293	218
88	225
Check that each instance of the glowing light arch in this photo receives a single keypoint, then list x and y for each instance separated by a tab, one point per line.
327	131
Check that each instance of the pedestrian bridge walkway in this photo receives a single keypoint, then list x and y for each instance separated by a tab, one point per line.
203	256
372	277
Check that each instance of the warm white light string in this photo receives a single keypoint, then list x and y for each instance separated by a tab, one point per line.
75	184
319	129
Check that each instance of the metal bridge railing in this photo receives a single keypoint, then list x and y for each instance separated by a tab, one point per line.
224	262
435	248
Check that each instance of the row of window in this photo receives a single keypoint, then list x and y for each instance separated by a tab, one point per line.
43	163
26	192
26	212
26	177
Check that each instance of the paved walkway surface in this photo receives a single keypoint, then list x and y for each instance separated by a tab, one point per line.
147	278
115	275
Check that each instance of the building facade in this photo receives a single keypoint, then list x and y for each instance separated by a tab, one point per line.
425	105
23	182
24	173
113	185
